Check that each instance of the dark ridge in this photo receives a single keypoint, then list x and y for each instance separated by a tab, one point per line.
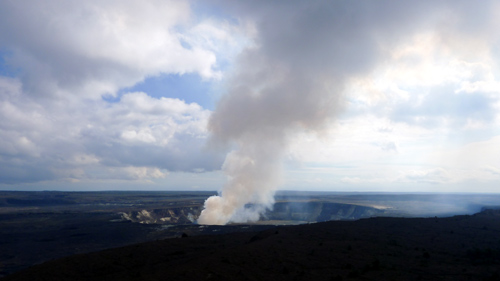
463	247
489	209
38	202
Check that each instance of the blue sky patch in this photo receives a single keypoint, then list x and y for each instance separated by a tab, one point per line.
5	68
187	87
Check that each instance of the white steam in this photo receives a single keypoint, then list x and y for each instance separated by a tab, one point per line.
292	80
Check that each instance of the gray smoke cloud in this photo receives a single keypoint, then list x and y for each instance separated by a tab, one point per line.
292	80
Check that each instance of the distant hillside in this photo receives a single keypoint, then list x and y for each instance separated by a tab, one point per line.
454	248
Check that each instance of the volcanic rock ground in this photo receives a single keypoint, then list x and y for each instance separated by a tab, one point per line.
36	227
455	248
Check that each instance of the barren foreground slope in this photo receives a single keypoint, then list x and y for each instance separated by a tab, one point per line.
454	248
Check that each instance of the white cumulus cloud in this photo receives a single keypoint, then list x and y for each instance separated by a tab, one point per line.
67	59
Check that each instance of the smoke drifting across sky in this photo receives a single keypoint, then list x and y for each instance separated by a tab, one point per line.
317	95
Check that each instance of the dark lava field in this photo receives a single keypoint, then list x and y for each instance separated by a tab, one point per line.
313	236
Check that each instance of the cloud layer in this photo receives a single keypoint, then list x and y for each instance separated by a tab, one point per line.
139	137
97	47
382	95
64	58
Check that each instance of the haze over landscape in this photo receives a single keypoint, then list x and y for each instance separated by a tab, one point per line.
250	97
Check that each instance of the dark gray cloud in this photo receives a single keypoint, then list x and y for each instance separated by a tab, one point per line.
15	172
184	153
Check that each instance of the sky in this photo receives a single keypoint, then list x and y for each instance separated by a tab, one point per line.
396	96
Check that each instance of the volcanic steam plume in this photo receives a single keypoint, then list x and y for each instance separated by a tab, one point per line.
290	81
